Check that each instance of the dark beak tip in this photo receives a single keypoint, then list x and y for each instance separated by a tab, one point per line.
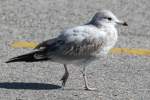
125	24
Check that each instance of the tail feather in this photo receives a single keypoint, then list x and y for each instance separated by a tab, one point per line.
26	58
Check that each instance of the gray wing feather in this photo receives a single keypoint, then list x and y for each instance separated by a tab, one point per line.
85	48
74	50
73	43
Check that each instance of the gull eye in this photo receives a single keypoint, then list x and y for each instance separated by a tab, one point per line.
109	18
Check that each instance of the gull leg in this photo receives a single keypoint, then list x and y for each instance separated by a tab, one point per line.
86	81
65	76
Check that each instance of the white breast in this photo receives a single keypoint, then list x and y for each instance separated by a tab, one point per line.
110	39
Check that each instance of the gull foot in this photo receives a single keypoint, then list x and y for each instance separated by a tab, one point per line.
64	80
90	89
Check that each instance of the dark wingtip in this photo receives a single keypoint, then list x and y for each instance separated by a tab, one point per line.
125	24
9	61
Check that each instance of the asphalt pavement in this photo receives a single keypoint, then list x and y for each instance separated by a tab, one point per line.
117	77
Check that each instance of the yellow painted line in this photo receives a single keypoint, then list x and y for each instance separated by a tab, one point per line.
141	52
23	44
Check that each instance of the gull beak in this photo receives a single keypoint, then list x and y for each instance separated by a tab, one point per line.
121	23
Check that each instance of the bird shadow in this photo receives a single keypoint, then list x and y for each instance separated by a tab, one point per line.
29	86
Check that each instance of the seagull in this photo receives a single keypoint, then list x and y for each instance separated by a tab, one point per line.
79	45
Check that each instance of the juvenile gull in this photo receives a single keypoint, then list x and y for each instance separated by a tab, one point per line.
79	45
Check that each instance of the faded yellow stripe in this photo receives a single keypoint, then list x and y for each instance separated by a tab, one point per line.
141	52
23	44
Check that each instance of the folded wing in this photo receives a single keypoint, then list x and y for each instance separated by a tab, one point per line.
75	43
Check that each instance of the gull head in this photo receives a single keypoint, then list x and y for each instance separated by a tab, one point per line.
105	18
